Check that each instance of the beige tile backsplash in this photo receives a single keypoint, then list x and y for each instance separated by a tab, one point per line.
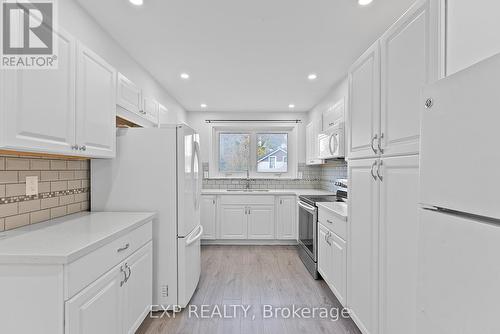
63	189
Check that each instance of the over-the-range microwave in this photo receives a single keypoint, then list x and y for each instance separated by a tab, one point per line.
332	143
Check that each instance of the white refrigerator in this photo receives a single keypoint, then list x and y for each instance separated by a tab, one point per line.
459	247
158	170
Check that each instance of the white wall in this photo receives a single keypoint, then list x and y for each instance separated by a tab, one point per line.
339	90
473	32
77	22
197	121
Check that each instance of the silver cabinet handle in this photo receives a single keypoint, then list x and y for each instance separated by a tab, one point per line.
372	172
373	144
121	249
380	143
124	276
378	170
429	103
129	272
328	239
329	221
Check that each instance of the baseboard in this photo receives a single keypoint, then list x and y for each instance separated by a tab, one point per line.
250	242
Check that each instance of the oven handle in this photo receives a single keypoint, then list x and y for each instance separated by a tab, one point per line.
307	207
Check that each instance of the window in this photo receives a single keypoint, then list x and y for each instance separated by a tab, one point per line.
234	150
272	152
265	152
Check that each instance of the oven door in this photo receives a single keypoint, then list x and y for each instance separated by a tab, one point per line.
308	224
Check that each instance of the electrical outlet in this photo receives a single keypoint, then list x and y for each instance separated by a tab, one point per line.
300	175
205	175
31	185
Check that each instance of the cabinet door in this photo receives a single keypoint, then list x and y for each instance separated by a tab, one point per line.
165	116
362	290
324	254
151	110
334	115
129	95
338	274
405	69
208	216
96	105
312	143
364	104
285	218
38	106
233	222
138	288
98	308
261	222
398	244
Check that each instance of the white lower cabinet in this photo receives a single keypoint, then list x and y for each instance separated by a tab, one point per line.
260	222
99	308
233	222
332	262
286	218
383	244
249	217
117	302
362	238
208	216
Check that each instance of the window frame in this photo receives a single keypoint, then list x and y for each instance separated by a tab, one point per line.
253	129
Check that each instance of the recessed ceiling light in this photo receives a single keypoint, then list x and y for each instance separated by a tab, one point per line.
184	76
291	106
312	76
203	105
136	2
364	2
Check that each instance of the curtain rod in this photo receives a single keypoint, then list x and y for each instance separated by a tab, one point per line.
296	121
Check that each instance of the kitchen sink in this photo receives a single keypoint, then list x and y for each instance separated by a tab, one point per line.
248	190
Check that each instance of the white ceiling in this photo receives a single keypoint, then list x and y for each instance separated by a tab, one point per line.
251	55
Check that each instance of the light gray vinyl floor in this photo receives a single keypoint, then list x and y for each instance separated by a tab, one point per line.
261	279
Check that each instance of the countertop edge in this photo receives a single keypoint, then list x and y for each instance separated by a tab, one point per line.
32	259
340	216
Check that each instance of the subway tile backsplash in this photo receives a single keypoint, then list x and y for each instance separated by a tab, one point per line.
64	188
313	177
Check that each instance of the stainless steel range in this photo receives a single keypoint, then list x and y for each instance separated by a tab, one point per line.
308	226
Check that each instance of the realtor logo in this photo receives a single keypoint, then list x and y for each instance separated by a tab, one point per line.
28	35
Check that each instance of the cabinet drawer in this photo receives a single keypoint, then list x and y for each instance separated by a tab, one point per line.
88	268
333	222
247	200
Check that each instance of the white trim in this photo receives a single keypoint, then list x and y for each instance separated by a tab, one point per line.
249	242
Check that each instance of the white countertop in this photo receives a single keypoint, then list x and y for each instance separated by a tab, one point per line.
65	239
337	208
296	192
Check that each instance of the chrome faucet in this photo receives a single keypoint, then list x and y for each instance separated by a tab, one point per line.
247	187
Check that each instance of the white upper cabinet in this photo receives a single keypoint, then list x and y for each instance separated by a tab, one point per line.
334	115
68	111
38	106
405	69
129	95
96	105
312	142
364	105
150	108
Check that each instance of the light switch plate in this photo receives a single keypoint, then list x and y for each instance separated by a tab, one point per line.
31	185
